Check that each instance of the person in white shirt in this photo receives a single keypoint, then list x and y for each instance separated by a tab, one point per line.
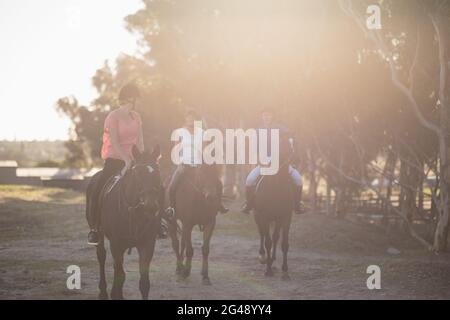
191	157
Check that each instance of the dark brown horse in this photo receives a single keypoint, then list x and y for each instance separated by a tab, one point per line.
130	217
196	204
274	204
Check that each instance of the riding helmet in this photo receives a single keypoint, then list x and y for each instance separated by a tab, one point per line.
128	92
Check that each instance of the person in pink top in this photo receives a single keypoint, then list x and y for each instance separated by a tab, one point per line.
122	130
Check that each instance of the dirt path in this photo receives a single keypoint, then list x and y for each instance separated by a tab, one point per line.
42	232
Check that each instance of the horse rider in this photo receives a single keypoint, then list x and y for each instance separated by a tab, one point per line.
268	123
189	160
121	131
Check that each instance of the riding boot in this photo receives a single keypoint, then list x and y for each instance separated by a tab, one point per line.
111	168
174	182
298	190
250	199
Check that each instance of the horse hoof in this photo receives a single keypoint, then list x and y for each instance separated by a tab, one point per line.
285	277
179	271
206	281
262	259
269	273
103	296
183	275
180	278
186	273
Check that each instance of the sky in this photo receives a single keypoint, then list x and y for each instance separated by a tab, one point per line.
51	49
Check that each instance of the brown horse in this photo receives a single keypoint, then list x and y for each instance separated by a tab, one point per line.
274	204
196	204
130	217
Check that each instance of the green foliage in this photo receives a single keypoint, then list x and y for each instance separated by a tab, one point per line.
307	59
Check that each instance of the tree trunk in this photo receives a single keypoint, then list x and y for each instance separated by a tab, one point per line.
442	227
312	191
388	174
340	191
409	184
441	235
328	200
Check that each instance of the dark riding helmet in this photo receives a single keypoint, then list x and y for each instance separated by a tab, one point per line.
129	92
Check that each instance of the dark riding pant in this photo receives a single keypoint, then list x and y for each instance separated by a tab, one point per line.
110	169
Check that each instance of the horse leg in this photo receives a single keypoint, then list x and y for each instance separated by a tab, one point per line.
275	237
285	247
187	240
268	245
119	273
101	257
176	245
262	252
207	234
145	257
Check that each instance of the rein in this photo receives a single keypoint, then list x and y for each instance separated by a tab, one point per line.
130	209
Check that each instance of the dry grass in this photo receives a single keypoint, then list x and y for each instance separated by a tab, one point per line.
43	231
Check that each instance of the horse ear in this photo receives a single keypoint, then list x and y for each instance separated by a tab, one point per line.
136	153
156	153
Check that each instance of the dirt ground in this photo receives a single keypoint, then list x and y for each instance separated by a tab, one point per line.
43	231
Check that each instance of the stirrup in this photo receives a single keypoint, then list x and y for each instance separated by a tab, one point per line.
93	238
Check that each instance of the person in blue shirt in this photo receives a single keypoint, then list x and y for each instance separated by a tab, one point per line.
267	116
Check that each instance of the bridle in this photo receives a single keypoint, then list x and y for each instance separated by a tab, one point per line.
132	208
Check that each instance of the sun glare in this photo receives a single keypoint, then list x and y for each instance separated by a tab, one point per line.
50	49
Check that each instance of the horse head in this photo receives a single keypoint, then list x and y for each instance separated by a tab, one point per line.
144	179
